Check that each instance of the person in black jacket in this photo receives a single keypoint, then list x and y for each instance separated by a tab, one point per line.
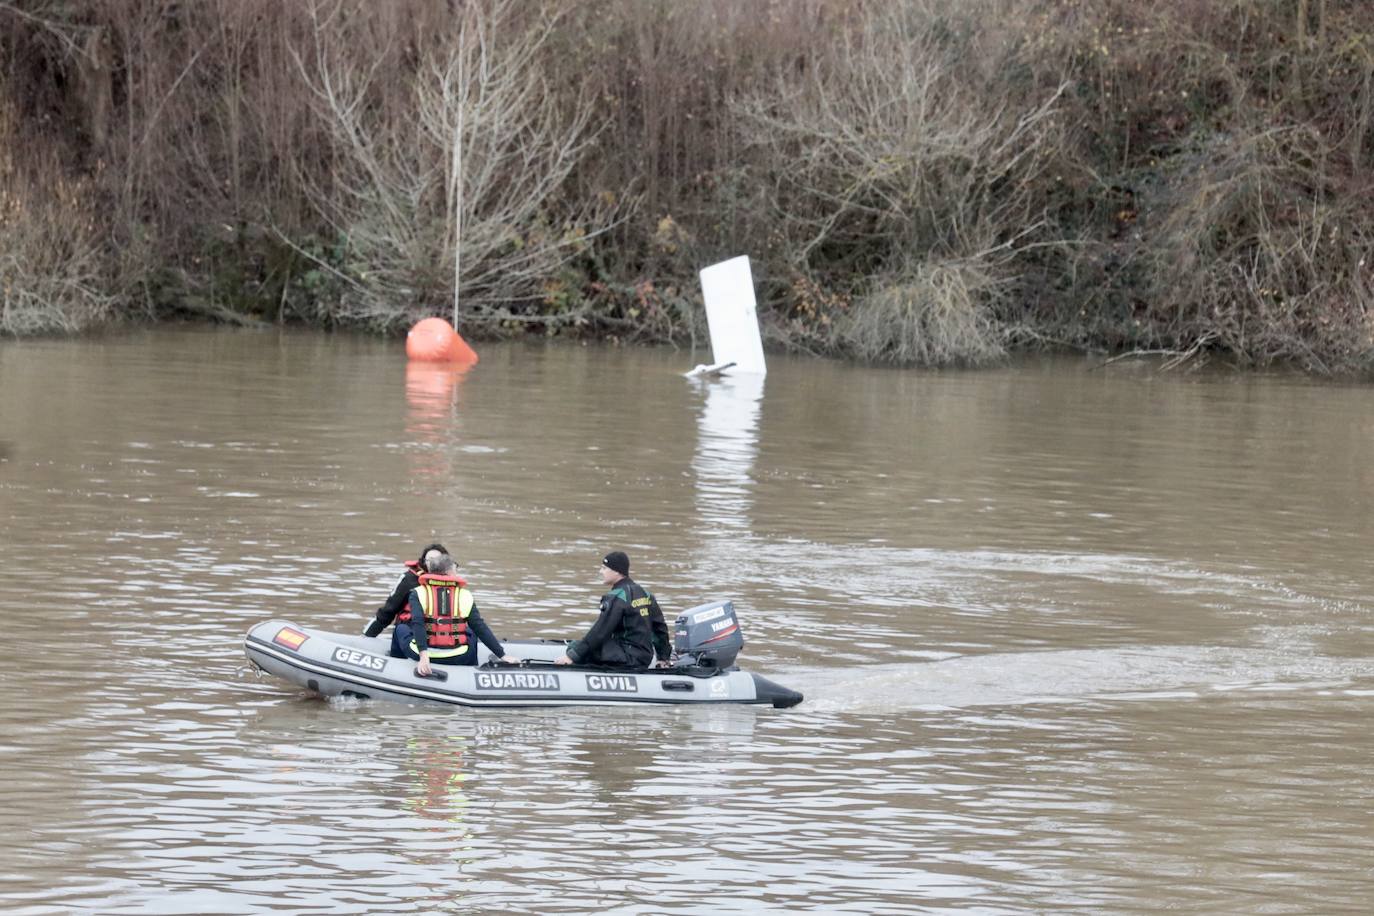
630	629
400	595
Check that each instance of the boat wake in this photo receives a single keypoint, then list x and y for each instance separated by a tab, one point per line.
1128	674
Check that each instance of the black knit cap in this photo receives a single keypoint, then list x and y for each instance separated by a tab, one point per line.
618	561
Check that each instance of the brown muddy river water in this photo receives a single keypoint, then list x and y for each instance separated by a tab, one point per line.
1070	639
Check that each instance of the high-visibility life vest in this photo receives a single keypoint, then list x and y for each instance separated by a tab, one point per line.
446	604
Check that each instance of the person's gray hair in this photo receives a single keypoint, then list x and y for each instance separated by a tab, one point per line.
440	565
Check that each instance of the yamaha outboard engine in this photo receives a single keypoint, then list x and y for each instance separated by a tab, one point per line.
708	635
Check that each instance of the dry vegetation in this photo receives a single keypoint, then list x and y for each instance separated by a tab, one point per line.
925	182
52	272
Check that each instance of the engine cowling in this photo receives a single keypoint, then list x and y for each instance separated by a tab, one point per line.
708	635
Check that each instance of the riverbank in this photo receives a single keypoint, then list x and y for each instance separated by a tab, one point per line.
925	183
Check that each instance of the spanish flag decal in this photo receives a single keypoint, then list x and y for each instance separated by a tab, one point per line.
292	639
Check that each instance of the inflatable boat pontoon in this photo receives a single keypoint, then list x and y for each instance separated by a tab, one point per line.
334	664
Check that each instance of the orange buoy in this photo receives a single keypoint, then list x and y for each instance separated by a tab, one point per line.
462	353
433	340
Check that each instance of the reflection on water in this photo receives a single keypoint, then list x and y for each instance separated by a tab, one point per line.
435	776
433	404
727	445
1070	640
432	395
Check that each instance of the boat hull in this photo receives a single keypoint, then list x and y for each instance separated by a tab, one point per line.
333	664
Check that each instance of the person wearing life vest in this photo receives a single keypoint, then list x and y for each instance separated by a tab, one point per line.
397	605
630	629
443	621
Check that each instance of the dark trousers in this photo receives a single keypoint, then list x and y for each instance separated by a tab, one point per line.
611	654
403	635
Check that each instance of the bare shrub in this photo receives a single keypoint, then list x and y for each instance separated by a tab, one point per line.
659	75
887	167
1263	254
1214	179
52	272
464	162
935	315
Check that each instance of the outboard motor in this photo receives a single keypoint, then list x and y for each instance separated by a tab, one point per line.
708	635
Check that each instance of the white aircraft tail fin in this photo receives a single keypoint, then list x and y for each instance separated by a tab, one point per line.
732	315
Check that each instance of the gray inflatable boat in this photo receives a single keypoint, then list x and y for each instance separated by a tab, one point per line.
706	641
